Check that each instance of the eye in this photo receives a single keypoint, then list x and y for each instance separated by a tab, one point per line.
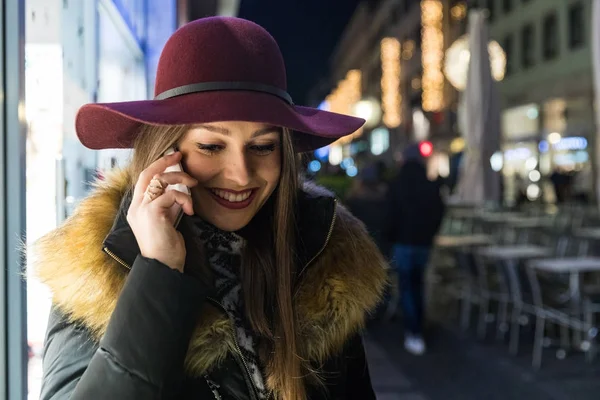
209	149
263	149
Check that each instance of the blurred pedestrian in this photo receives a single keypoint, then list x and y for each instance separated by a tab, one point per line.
521	184
561	182
416	210
367	201
583	185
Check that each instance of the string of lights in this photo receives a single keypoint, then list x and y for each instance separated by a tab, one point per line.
391	98
432	55
344	96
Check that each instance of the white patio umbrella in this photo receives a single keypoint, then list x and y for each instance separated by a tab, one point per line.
596	73
479	121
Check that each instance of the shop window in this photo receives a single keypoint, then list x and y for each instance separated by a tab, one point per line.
519	123
380	141
527	46
576	26
555	115
550	35
508	46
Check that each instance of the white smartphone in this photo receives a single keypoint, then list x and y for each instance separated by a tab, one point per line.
176	211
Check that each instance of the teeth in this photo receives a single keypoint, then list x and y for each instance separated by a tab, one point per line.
232	197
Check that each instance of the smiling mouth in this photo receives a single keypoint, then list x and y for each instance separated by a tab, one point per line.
233	200
232	197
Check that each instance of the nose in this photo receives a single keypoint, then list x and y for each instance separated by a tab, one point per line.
237	169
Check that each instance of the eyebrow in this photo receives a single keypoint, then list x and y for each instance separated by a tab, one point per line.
227	132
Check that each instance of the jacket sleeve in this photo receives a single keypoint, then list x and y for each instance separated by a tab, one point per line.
346	375
142	351
358	379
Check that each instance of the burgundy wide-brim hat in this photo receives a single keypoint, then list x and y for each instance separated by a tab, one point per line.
215	69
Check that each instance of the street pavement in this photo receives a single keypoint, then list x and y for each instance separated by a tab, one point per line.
459	367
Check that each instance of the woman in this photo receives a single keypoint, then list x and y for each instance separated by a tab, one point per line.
260	291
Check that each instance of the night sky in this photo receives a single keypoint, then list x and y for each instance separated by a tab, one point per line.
307	32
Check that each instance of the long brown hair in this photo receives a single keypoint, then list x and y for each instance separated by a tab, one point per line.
268	262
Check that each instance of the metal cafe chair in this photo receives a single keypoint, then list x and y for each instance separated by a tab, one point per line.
548	310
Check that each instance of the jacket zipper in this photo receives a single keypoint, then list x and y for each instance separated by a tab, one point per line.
116	258
237	347
239	353
329	233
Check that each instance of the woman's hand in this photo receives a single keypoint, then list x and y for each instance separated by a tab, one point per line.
148	214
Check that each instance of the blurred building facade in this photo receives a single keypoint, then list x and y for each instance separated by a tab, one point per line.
547	93
395	49
393	53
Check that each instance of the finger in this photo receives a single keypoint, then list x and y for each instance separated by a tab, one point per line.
157	191
151	194
155	188
157	182
174	178
171	197
157	167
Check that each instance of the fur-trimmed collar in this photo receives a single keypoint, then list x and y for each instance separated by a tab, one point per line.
343	283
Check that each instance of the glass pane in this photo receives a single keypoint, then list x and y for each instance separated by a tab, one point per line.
576	26
75	54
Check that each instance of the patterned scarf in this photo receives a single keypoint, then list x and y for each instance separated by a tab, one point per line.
223	252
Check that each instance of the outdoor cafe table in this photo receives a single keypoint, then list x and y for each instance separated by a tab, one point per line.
460	245
500	217
569	265
515	252
572	266
509	257
464	213
530	222
458	241
519	221
589	233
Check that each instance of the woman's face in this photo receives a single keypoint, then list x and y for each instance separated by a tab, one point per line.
237	165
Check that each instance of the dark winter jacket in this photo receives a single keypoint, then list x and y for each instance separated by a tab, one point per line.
416	207
127	327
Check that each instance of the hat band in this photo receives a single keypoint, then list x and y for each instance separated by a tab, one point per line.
217	86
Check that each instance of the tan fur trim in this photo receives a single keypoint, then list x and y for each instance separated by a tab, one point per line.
84	281
213	332
345	282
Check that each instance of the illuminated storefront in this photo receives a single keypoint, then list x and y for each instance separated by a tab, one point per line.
128	54
121	71
539	140
79	52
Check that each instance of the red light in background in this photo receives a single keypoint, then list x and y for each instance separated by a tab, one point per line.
438	117
426	148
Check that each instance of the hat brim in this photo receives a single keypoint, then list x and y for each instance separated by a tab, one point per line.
115	125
